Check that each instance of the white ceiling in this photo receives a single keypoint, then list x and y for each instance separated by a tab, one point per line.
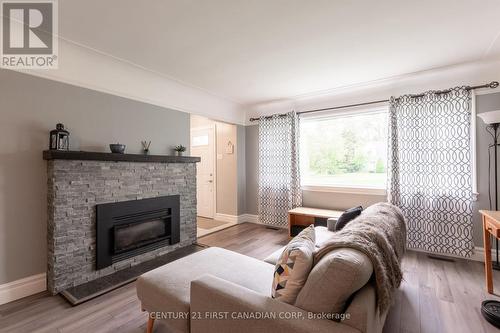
263	50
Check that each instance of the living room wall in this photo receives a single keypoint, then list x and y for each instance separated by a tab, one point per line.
30	107
342	201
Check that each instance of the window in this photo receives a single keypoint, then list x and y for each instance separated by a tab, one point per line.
347	150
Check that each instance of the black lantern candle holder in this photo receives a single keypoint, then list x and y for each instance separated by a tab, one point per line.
59	138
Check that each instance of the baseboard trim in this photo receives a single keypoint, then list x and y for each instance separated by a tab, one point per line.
226	218
30	285
255	219
479	254
248	218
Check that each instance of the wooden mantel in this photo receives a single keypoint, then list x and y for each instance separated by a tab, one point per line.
99	156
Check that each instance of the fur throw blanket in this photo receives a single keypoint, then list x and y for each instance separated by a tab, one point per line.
380	233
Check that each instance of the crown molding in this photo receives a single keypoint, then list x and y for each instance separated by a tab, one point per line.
471	73
88	68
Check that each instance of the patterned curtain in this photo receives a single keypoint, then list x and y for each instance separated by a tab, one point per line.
430	169
279	181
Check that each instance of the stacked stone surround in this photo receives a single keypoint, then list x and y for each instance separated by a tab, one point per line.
75	187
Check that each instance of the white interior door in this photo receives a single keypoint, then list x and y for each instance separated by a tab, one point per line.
203	145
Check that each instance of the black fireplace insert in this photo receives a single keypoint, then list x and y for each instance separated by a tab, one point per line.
129	228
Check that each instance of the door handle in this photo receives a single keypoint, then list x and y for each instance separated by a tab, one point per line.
210	181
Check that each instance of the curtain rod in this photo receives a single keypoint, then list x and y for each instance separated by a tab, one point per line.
492	85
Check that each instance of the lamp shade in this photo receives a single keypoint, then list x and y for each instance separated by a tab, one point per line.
490	117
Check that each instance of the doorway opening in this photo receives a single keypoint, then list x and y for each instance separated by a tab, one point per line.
216	177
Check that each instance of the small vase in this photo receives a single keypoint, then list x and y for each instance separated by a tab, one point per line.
178	153
145	151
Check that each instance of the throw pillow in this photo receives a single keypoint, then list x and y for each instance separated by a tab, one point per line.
333	280
348	216
293	267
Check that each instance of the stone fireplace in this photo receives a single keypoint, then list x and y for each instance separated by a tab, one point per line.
108	212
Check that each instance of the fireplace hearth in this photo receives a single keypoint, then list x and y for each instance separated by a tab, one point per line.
129	228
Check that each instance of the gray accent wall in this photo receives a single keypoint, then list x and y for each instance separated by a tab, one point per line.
329	200
29	108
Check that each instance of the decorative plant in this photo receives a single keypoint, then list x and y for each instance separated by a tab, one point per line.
145	146
180	148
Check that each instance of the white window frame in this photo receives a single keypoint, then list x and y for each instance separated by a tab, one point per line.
363	190
345	189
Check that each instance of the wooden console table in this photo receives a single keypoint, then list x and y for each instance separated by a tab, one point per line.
304	216
491	225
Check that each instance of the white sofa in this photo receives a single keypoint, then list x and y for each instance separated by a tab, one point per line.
209	290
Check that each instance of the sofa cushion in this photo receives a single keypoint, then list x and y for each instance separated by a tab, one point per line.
333	280
293	266
167	288
322	234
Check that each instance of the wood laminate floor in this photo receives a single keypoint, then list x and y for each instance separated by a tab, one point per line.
436	296
206	226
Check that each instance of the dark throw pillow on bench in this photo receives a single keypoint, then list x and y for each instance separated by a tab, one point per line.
347	216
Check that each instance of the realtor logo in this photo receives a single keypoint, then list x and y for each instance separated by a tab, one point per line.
29	34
